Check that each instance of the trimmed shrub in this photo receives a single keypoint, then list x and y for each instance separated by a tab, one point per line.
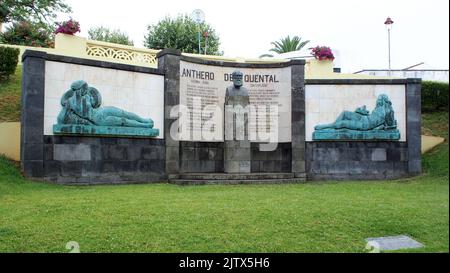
434	96
9	57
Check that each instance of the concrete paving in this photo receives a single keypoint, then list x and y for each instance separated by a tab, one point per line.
393	243
429	142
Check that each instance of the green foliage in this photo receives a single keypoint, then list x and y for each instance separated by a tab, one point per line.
287	44
435	162
435	124
182	33
9	58
7	168
434	96
111	36
43	11
28	34
10	93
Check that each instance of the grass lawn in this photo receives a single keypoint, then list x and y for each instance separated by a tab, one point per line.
313	217
10	92
326	217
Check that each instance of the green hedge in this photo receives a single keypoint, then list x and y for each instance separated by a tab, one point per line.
434	96
9	58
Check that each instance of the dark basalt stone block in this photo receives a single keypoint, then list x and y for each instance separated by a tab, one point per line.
351	135
90	130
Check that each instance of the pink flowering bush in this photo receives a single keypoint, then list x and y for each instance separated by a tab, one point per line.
68	27
322	53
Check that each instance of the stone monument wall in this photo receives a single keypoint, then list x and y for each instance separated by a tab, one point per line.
278	84
276	161
84	159
198	157
88	122
201	157
359	159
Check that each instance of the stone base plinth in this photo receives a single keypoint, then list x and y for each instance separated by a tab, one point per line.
104	131
236	178
237	156
345	134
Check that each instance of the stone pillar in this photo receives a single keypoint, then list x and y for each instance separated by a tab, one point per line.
32	120
413	125
298	117
169	62
237	150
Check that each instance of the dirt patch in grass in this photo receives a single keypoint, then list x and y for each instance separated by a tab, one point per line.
435	124
10	108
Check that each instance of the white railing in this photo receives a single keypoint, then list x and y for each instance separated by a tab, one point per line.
120	52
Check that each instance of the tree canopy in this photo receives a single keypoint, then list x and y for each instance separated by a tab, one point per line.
43	11
182	33
109	35
27	34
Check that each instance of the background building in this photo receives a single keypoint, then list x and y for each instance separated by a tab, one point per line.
418	71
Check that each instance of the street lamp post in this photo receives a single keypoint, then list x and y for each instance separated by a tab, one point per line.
199	17
206	34
388	23
199	41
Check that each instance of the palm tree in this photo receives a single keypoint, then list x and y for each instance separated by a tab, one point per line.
287	45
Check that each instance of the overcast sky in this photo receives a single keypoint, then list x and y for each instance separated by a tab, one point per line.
354	28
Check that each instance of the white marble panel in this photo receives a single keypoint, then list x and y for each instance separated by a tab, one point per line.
58	72
325	102
278	92
135	92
